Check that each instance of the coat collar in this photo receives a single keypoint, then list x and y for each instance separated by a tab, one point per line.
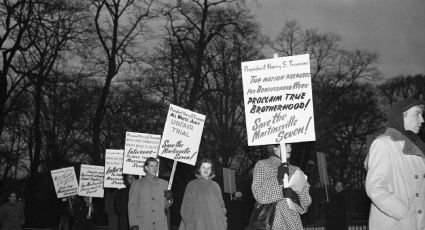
201	178
409	148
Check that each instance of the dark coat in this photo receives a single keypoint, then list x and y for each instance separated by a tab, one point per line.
121	208
81	221
11	216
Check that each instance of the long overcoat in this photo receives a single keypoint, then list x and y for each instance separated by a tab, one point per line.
146	204
395	183
203	206
11	216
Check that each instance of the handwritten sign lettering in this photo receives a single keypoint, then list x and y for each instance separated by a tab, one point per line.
65	182
278	100
182	135
91	181
139	147
113	168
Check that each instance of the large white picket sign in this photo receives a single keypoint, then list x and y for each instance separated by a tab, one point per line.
182	135
91	181
113	168
65	182
139	147
278	100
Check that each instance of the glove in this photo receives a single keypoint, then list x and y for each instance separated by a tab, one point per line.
134	227
289	193
168	194
281	170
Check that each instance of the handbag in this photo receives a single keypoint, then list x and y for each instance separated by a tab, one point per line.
262	216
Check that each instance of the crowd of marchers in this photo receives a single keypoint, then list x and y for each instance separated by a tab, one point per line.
395	183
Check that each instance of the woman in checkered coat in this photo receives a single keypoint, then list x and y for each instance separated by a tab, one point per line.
267	187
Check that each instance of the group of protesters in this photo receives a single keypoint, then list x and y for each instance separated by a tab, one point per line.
395	183
202	206
144	202
395	180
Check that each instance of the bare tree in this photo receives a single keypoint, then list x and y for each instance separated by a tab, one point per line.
131	108
351	120
53	27
13	144
119	26
222	97
339	79
289	40
66	111
192	25
401	87
16	17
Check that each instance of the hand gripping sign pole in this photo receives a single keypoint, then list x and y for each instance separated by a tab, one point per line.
284	159
89	213
283	150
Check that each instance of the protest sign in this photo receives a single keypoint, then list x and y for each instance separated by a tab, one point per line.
323	168
323	171
113	168
278	100
229	181
139	147
91	181
65	182
182	135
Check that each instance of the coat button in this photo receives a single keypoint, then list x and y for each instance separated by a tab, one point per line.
416	176
420	211
417	194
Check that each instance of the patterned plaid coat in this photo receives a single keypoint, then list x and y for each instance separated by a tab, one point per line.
266	189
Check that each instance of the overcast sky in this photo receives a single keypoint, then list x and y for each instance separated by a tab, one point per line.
393	28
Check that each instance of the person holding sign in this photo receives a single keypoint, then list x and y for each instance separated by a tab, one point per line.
148	198
395	180
203	206
268	187
84	213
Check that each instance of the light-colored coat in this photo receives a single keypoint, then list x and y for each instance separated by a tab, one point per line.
203	206
395	183
146	204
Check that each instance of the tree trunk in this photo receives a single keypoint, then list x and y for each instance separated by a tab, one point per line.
98	118
37	127
3	98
